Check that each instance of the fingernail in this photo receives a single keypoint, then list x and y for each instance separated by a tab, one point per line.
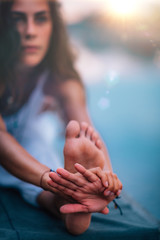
111	194
118	193
107	193
106	184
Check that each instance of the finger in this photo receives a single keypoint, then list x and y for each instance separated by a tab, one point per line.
61	181
103	176
73	208
59	192
61	189
76	195
120	184
118	193
91	177
105	211
120	188
54	190
80	182
106	193
116	183
110	182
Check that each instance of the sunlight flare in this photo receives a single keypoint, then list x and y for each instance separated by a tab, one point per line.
124	8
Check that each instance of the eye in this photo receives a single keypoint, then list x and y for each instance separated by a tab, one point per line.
17	18
41	19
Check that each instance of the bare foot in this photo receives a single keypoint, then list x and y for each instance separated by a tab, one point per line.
82	146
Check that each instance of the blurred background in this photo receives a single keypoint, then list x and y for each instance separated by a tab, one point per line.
117	43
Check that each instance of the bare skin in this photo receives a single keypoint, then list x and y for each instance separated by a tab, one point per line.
75	108
93	189
82	146
79	148
86	145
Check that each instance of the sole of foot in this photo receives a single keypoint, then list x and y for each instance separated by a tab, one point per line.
82	146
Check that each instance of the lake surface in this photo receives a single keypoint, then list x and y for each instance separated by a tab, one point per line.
123	97
128	118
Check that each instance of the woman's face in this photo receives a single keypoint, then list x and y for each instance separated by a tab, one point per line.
34	24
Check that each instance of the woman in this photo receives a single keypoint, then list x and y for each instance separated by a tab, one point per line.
37	74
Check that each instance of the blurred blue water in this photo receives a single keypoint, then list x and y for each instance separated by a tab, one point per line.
126	111
130	126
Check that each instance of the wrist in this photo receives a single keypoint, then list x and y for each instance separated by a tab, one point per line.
44	178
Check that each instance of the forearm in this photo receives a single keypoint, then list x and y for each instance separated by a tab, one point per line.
15	159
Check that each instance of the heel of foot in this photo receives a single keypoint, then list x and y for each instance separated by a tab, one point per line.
77	223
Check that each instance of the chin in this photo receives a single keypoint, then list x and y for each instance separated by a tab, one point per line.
31	62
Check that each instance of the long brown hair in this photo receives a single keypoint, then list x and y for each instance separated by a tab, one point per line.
9	43
59	58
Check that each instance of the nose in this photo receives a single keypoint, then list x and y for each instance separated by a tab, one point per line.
30	28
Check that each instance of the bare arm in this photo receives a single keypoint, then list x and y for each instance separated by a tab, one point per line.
75	109
17	161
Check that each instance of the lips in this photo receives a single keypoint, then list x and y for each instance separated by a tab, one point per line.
30	49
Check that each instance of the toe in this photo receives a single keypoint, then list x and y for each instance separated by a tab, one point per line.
84	128
72	129
89	132
94	137
98	143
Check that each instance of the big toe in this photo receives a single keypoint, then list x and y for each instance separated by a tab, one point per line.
72	129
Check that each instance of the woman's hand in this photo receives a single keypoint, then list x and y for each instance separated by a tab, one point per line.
92	189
